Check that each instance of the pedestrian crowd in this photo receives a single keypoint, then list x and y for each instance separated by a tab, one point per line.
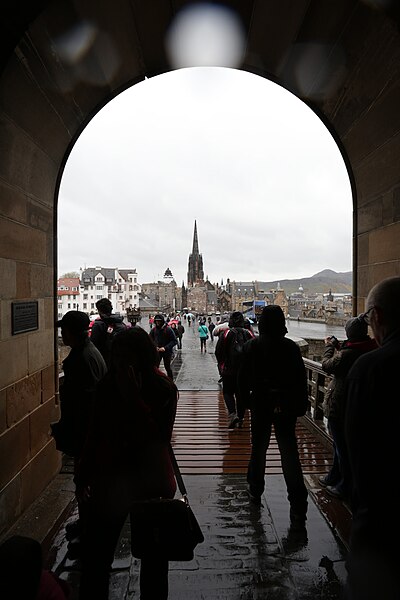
117	417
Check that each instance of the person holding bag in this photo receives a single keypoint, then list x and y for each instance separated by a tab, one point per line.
126	461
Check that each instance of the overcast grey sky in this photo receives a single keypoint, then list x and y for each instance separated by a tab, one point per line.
252	164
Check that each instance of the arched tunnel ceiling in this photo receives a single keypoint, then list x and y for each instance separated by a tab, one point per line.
311	47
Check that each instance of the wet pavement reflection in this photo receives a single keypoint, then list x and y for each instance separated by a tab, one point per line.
248	552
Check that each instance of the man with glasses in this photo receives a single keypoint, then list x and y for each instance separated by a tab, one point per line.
372	434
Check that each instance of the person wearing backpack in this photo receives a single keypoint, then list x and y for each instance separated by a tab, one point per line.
273	383
105	328
228	353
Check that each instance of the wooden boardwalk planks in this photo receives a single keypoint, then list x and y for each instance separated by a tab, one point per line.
203	443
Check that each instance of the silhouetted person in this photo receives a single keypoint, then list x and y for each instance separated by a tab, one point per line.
126	459
106	327
165	341
22	576
180	330
83	368
273	381
211	327
228	352
372	435
337	361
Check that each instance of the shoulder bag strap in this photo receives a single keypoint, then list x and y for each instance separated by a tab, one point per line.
177	472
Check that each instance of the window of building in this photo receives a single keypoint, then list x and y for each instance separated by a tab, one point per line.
84	305
69	305
92	305
85	296
98	297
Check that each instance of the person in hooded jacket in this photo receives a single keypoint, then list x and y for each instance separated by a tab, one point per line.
105	327
337	361
165	341
273	382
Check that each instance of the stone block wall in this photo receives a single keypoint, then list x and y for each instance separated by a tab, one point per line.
29	459
32	143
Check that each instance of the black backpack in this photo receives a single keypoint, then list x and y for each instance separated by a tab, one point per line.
112	329
238	337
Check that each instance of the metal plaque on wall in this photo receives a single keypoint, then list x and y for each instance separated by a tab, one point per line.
25	316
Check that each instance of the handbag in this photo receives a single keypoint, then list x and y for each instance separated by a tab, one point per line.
64	438
165	527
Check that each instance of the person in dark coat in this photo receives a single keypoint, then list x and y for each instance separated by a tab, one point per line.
273	381
83	368
105	327
372	437
228	360
165	341
126	459
337	361
211	327
180	330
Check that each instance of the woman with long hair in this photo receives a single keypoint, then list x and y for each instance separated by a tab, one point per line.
126	459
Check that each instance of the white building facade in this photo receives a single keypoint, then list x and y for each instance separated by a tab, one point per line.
120	286
68	295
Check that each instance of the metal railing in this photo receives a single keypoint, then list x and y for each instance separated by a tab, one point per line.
317	381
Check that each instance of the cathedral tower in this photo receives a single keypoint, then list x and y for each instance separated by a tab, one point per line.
195	266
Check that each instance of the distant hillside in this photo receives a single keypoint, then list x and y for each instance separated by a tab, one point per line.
320	282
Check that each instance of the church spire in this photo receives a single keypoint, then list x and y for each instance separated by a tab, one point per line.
195	250
195	266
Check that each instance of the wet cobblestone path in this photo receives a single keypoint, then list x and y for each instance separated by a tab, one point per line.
249	552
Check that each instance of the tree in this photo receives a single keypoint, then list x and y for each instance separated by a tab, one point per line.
70	275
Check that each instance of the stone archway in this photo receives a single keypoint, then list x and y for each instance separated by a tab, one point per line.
342	59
